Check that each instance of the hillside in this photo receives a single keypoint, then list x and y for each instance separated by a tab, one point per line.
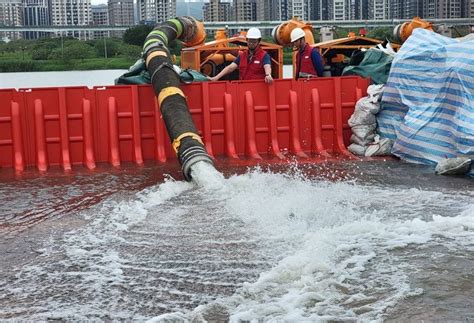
193	9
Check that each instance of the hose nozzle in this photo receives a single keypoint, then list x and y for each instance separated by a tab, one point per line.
191	156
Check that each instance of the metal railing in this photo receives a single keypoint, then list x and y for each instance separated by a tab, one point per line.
245	25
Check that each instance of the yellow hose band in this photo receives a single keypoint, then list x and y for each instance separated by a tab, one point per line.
155	54
179	27
149	41
160	33
177	142
166	92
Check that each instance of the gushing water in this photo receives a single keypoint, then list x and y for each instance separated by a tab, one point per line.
205	175
257	246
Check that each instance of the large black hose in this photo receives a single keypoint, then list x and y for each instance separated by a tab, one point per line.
181	129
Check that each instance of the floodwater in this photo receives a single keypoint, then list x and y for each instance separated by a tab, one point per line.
336	241
73	78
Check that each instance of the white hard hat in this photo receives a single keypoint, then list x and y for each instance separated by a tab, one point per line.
296	34
254	33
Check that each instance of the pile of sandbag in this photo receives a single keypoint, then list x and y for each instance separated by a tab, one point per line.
364	140
427	104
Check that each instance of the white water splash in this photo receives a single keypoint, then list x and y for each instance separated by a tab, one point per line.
328	251
205	175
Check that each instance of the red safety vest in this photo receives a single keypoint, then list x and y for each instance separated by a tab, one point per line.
304	62
252	70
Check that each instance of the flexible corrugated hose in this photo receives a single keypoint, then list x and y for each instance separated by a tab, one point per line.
166	84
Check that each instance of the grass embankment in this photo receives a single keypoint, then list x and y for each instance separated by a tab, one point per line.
29	65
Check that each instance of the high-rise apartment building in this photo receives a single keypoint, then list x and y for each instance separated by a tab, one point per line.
100	17
430	9
405	9
11	14
281	10
359	10
35	13
450	8
319	10
300	9
154	11
72	13
339	9
216	10
249	10
379	10
120	14
469	10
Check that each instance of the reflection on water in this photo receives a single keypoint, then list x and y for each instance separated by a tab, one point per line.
342	241
73	78
64	78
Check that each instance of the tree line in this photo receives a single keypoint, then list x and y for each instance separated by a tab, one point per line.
68	53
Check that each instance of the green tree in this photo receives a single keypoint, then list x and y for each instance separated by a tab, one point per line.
137	34
130	51
78	50
381	33
40	54
112	45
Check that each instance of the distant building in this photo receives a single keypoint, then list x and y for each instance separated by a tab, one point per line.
379	10
299	8
469	10
248	10
100	17
120	14
319	10
281	10
450	8
406	9
216	10
359	10
153	11
339	9
11	14
35	13
72	13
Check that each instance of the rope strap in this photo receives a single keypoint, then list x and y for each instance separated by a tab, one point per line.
177	142
168	91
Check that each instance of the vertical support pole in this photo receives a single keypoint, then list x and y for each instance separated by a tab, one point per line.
273	122
18	155
317	125
206	117
114	152
229	127
295	127
250	144
339	145
137	140
64	129
41	155
88	134
160	153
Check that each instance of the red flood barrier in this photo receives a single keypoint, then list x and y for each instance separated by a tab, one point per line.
71	126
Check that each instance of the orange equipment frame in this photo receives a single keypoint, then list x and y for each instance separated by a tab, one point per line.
223	50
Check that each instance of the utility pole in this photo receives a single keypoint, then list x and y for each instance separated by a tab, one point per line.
62	46
105	47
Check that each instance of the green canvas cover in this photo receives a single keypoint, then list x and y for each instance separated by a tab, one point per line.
376	65
138	74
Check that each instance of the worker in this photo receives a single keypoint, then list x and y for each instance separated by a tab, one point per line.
308	59
254	63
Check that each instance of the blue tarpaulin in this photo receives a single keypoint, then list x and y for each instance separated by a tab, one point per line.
428	101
